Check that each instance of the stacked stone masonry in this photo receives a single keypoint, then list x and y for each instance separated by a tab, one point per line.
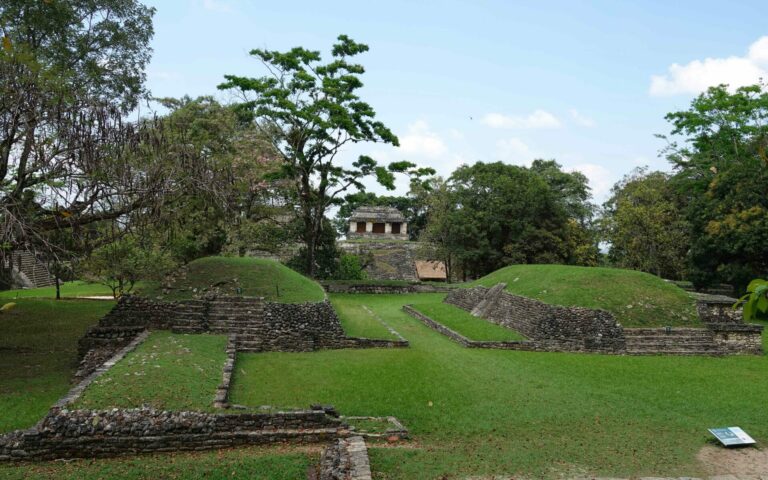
383	289
256	326
392	260
346	459
556	328
107	433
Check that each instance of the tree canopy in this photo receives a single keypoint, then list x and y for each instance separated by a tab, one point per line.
311	110
721	171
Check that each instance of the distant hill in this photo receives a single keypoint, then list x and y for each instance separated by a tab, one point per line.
246	276
635	298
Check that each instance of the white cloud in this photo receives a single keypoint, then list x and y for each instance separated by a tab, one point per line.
580	119
421	141
217	6
698	75
536	119
513	150
600	179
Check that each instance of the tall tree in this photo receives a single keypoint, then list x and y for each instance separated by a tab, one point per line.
311	110
721	164
69	73
645	226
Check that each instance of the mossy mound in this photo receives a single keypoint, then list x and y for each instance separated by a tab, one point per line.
237	276
635	298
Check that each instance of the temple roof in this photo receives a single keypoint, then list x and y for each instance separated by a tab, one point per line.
377	214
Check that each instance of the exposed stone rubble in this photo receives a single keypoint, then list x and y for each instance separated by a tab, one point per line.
346	459
221	400
106	433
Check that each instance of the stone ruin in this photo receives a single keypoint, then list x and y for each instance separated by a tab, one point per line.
377	223
576	329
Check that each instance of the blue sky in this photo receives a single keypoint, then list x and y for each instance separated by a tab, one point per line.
586	83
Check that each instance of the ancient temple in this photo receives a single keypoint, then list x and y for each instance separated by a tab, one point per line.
377	223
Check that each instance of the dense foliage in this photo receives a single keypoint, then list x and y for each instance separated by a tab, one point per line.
486	216
69	72
722	173
644	224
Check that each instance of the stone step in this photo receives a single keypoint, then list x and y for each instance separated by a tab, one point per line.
675	352
661	331
666	348
185	329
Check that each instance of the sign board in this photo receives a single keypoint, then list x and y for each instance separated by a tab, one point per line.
732	436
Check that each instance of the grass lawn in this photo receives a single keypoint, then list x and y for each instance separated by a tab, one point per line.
358	321
462	322
257	463
495	412
38	355
167	371
256	277
77	288
637	299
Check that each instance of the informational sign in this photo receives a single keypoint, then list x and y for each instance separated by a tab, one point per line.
732	436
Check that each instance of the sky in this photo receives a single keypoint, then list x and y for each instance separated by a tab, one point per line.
585	83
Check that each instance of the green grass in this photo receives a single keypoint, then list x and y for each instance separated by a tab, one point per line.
77	288
167	371
356	320
465	324
255	277
494	412
257	463
635	298
38	355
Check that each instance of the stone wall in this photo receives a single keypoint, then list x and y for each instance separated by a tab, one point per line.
257	326
367	288
107	433
394	260
738	339
573	328
555	328
717	309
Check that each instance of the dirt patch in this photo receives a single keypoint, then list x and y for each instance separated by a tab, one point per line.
748	461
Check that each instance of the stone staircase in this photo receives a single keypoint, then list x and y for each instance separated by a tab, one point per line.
191	317
674	341
239	317
31	271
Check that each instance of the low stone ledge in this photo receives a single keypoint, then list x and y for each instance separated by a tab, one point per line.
521	345
106	433
346	459
455	336
78	389
221	399
361	342
384	289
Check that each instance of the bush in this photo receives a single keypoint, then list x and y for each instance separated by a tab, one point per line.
349	267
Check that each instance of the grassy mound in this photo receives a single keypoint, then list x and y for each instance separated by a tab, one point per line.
637	299
250	277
